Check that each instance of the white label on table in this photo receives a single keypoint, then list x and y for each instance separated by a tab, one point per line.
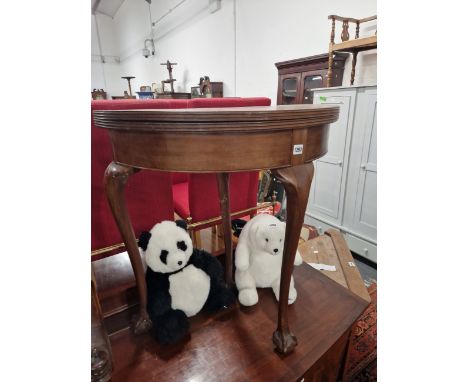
323	267
297	149
351	264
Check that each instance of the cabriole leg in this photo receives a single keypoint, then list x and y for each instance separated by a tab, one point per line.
296	181
115	179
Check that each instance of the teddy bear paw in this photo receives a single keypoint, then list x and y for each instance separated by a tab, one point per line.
292	296
248	297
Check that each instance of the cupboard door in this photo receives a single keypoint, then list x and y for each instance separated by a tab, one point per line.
288	89
327	193
310	81
365	213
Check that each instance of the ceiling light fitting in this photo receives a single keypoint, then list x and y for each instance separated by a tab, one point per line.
147	52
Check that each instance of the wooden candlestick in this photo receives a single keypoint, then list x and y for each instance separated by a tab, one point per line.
128	78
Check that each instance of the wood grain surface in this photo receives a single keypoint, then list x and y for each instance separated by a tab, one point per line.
331	249
234	345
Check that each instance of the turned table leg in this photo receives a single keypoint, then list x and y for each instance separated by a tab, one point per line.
115	179
353	67
330	69
223	191
296	181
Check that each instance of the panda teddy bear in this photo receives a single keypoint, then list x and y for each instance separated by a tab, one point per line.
181	280
259	256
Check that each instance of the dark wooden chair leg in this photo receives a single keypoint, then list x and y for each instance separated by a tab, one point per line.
115	179
330	55
223	191
330	69
353	67
296	181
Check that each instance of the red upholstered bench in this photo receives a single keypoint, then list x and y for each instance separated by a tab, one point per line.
149	194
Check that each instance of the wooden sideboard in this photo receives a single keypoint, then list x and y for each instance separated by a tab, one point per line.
297	78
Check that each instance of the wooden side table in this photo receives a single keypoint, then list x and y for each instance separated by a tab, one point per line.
284	139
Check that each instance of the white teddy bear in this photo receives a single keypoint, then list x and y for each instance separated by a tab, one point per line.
259	256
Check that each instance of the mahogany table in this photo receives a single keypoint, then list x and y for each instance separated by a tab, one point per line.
284	139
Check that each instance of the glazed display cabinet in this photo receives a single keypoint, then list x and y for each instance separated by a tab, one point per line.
298	78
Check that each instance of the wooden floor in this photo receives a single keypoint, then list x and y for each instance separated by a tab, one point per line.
235	345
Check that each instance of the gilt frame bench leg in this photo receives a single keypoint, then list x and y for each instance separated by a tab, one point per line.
296	181
223	191
115	179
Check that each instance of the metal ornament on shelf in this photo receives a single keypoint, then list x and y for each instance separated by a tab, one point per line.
170	80
129	78
205	87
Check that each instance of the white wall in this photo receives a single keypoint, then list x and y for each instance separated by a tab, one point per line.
200	42
104	75
238	44
270	31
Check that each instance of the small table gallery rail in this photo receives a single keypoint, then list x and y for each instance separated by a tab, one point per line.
284	139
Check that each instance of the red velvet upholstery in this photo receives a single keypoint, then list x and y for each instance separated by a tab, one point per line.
180	177
199	199
180	196
148	193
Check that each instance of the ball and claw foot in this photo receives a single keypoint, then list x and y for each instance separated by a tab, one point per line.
143	325
285	342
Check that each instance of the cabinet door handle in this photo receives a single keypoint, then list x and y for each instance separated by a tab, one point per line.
331	161
363	166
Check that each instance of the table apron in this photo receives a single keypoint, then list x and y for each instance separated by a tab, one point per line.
197	152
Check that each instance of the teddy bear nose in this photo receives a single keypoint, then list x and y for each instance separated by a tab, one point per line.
275	250
179	262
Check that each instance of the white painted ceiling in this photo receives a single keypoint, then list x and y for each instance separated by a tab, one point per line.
106	7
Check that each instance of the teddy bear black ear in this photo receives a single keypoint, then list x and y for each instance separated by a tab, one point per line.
144	240
181	224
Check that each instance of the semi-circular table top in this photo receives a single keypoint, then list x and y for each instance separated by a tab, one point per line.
218	139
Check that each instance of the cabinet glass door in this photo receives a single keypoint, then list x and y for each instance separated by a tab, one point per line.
289	91
310	83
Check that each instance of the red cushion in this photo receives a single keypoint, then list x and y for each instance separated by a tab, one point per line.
132	104
180	177
148	193
203	199
181	199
